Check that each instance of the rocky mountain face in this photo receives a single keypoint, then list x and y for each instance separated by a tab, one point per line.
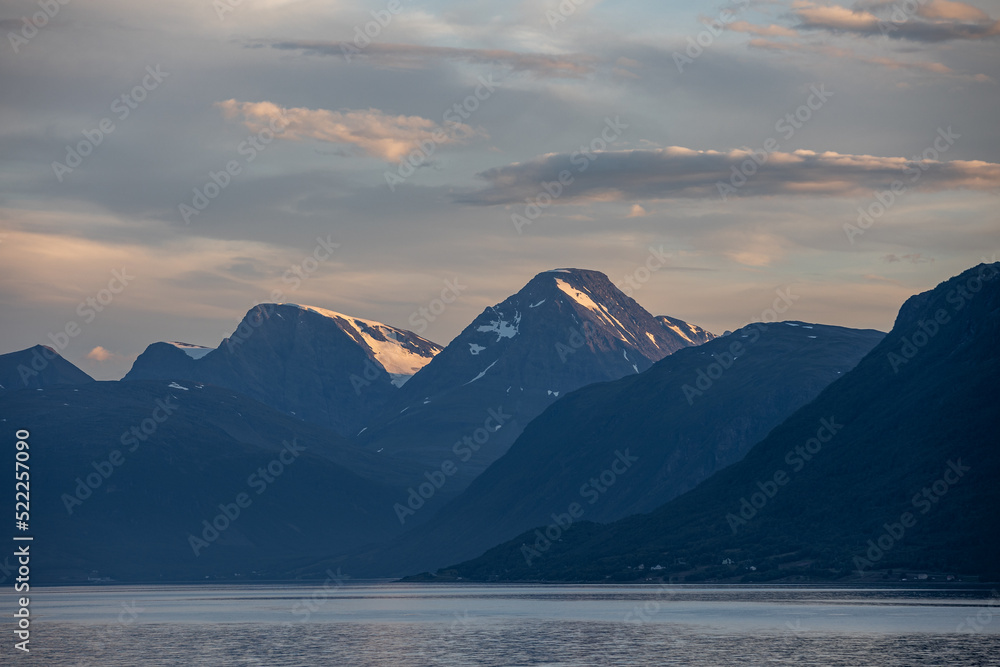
315	364
565	329
628	446
894	466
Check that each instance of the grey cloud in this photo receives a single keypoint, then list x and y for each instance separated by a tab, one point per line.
417	55
948	21
681	172
915	258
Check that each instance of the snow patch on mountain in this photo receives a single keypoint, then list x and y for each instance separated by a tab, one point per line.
399	379
482	374
395	357
584	300
501	327
680	332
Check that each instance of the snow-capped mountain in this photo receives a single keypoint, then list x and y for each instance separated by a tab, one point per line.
316	364
565	329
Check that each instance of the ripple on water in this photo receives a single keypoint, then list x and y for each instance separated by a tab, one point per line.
516	642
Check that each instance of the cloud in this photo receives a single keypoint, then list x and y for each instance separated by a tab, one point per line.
875	278
882	61
947	10
636	211
411	56
762	31
946	20
677	172
100	354
917	258
834	17
369	131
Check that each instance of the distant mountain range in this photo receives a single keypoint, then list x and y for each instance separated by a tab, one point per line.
310	439
123	475
315	364
894	466
653	436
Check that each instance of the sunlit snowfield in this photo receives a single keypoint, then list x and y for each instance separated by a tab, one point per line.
402	625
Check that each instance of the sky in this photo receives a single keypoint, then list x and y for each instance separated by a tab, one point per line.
166	166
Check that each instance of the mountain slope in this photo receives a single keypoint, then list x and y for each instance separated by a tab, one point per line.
694	334
123	474
671	434
895	465
565	329
316	364
38	367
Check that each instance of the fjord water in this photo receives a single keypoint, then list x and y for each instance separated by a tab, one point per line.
411	624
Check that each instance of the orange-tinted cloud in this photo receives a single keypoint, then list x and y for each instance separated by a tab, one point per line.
100	354
369	131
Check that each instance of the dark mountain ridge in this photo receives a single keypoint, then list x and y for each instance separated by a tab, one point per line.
673	421
893	466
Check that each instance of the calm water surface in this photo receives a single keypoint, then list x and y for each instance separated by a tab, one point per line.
403	625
